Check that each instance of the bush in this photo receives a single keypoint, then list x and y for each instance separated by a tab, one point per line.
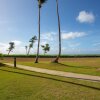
1	56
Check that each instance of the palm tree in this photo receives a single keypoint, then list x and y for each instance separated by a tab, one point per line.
58	56
26	47
46	48
32	41
11	47
40	3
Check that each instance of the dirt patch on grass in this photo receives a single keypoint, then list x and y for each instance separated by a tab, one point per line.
92	62
50	59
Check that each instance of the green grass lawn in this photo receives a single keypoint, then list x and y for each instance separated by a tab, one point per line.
16	84
67	67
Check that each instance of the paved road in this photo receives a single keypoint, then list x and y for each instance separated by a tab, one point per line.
58	73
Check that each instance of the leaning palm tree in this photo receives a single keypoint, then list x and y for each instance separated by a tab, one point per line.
26	47
11	47
40	3
32	41
45	48
58	56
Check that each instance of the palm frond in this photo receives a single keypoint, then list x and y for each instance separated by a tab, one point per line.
42	46
41	2
33	39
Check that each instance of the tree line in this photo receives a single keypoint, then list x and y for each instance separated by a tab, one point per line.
45	47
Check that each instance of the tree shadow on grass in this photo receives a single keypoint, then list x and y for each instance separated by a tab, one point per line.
2	65
46	77
85	67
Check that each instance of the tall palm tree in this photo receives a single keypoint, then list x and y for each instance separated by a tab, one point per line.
11	47
46	48
58	56
40	3
32	41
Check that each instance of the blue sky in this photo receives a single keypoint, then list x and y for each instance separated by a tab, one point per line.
80	21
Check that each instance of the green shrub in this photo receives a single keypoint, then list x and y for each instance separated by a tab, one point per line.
1	56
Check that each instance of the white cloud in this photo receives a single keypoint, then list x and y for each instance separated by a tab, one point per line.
73	45
18	47
17	43
73	35
19	50
85	17
71	50
3	45
49	36
43	43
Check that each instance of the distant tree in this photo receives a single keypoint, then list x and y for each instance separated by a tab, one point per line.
1	56
59	30
26	47
40	3
11	47
32	41
45	48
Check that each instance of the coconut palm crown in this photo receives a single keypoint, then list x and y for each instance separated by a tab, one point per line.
46	48
41	2
32	41
11	47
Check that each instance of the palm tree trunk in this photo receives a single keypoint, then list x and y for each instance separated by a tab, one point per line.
37	56
9	52
57	58
28	51
44	53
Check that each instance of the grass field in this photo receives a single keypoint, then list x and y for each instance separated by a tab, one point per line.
18	84
89	66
